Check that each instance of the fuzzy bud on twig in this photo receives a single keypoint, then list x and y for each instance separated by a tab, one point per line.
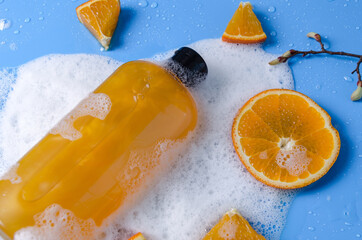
315	36
280	59
287	54
274	62
357	94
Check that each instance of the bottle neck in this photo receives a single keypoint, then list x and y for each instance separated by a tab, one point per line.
188	66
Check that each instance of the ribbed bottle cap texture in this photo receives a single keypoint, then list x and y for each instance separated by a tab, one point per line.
189	66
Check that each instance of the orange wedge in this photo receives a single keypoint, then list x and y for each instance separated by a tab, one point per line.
232	226
285	139
138	236
100	17
244	26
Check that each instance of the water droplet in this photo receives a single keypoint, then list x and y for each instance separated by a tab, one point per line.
143	3
16	32
358	235
326	45
345	5
328	198
360	156
148	17
26	20
2	42
41	18
273	33
348	224
4	24
342	229
311	228
334	91
167	28
347	78
291	45
147	25
357	28
154	5
1	1
13	46
317	86
271	9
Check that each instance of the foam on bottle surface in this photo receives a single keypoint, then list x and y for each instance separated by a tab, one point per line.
59	222
11	175
96	105
205	181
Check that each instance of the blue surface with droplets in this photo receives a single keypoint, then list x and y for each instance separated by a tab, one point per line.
329	209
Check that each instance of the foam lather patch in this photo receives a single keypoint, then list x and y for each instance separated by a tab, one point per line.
206	180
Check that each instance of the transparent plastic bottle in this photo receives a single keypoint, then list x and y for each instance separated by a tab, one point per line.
107	148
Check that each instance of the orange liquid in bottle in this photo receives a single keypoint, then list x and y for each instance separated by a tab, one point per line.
112	151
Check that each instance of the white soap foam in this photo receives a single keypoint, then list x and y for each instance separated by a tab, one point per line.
57	223
44	90
295	160
12	175
96	105
206	180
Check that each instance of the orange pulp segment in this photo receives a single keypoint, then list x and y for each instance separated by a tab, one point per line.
285	139
138	236
100	17
232	226
244	26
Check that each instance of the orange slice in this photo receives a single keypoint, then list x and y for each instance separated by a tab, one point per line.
138	236
232	226
100	17
244	26
285	139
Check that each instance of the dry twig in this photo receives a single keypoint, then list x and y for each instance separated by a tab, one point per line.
357	94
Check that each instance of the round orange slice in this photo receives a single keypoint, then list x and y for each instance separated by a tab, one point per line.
138	236
244	26
100	17
232	226
285	139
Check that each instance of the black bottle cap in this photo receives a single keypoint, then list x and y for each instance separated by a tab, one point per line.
188	66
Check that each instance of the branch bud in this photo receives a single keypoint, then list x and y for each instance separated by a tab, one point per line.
287	54
315	36
280	59
357	94
274	62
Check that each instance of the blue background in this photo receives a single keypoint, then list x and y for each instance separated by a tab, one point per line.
331	208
